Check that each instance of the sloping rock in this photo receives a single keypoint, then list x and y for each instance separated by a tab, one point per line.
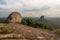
14	17
12	35
23	32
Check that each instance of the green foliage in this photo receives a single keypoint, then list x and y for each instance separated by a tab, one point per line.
5	30
44	26
31	22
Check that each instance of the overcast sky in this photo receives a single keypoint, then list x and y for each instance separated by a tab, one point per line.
34	8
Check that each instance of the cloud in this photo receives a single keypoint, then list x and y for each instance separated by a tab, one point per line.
10	4
22	3
29	4
32	7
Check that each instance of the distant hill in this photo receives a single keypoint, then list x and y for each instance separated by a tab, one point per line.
54	22
3	19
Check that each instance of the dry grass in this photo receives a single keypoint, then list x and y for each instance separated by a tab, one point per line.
57	31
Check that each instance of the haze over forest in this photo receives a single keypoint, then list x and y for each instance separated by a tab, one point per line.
30	8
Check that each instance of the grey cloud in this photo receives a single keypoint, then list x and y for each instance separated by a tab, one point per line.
32	7
4	12
3	2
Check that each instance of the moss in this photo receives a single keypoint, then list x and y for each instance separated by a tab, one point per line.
57	31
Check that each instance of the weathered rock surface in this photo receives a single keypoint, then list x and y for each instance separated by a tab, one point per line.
14	17
23	32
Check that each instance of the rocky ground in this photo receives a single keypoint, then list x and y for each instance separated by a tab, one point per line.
23	32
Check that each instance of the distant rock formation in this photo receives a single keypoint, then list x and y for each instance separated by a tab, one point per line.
42	18
14	17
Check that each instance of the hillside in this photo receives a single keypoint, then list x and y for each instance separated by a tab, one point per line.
30	33
55	22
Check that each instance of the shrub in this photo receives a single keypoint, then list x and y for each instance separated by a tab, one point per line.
44	26
31	22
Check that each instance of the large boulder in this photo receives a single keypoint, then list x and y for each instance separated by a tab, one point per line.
14	17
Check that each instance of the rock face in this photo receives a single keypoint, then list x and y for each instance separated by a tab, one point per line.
14	17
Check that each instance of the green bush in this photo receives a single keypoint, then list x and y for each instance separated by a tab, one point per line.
44	26
5	30
31	22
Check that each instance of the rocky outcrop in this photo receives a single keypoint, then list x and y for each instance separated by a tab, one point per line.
14	17
23	32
